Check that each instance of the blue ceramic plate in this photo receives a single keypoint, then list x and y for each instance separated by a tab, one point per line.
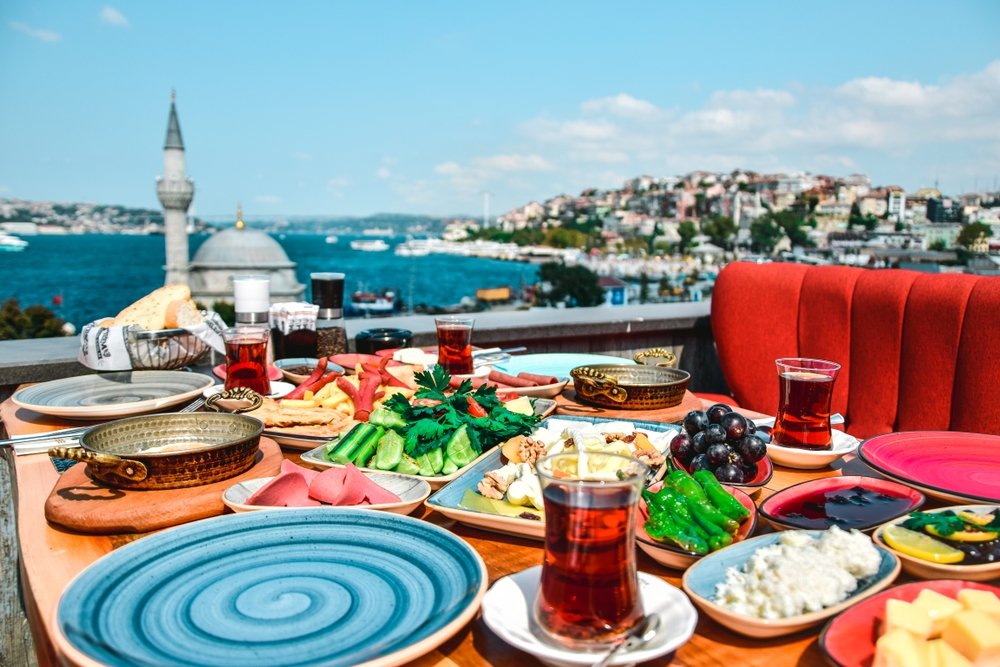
111	395
701	579
557	365
273	588
449	498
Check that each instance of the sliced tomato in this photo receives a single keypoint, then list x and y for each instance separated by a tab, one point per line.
475	410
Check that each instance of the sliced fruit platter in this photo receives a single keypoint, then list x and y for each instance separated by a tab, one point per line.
439	432
958	542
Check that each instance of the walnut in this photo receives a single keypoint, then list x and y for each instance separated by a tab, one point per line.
492	486
530	450
650	457
613	437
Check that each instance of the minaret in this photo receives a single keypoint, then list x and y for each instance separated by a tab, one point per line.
175	191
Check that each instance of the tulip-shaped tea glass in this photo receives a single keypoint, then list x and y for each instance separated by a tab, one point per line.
806	390
589	592
454	335
246	358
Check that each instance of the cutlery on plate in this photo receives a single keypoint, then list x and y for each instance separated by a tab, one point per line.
637	637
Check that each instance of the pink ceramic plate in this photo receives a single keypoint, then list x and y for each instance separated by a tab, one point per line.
961	467
783	509
849	639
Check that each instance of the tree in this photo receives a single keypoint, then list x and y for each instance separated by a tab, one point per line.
687	231
721	230
939	245
973	233
33	322
643	287
765	234
573	285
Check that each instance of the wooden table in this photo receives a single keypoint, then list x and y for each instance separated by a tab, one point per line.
51	557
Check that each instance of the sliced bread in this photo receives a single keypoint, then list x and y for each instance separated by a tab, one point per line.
182	313
150	312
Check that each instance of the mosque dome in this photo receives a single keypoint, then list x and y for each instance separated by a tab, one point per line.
241	251
241	247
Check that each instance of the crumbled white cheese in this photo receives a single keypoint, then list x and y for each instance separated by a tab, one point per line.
799	574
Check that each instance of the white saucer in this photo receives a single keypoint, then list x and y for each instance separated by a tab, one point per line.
508	605
479	372
278	389
811	459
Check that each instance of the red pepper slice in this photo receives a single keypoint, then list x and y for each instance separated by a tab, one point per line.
300	391
475	410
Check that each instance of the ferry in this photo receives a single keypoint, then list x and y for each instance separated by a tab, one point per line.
373	303
11	243
375	245
332	239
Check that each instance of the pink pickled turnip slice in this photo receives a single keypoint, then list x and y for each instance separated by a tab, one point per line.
335	486
289	489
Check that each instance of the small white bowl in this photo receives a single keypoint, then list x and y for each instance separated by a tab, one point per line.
701	579
411	493
278	389
812	459
925	569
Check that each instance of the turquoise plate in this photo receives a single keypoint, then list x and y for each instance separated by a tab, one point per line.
448	500
274	588
558	365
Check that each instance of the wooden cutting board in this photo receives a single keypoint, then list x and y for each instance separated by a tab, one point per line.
568	404
82	504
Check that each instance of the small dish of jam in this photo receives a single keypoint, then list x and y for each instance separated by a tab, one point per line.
851	502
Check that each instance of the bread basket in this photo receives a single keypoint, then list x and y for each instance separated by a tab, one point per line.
164	350
168	451
630	387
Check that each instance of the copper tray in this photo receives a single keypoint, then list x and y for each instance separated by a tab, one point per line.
630	387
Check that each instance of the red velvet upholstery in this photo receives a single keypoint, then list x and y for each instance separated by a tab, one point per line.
918	351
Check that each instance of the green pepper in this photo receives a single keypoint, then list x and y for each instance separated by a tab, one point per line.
719	497
662	527
717	537
684	484
674	505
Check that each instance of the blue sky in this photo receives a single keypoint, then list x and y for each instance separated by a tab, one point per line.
338	108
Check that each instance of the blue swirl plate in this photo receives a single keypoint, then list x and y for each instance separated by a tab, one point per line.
274	588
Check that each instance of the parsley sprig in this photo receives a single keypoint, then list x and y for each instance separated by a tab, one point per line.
434	415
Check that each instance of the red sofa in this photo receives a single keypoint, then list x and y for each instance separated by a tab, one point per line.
919	351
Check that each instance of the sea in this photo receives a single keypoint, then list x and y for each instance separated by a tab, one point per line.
86	277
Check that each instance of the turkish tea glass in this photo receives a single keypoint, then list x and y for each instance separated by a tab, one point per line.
246	358
588	597
454	335
805	393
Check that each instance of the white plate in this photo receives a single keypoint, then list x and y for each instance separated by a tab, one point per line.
278	389
112	395
411	493
557	364
507	610
811	459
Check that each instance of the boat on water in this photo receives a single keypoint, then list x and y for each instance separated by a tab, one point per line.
375	245
11	243
379	231
383	302
332	239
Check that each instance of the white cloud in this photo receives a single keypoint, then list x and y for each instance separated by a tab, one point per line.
267	199
112	16
513	163
302	156
383	173
620	105
37	33
336	185
448	168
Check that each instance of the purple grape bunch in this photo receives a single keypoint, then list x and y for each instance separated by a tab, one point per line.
720	440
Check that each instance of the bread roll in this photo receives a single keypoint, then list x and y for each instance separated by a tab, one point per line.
150	312
182	313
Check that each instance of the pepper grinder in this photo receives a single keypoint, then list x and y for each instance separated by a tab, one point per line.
328	294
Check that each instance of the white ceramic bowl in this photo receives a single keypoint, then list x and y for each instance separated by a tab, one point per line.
411	493
701	578
925	569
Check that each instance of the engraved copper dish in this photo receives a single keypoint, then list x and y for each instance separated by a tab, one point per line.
630	387
168	451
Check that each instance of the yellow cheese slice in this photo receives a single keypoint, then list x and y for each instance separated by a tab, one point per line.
906	616
976	636
939	607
